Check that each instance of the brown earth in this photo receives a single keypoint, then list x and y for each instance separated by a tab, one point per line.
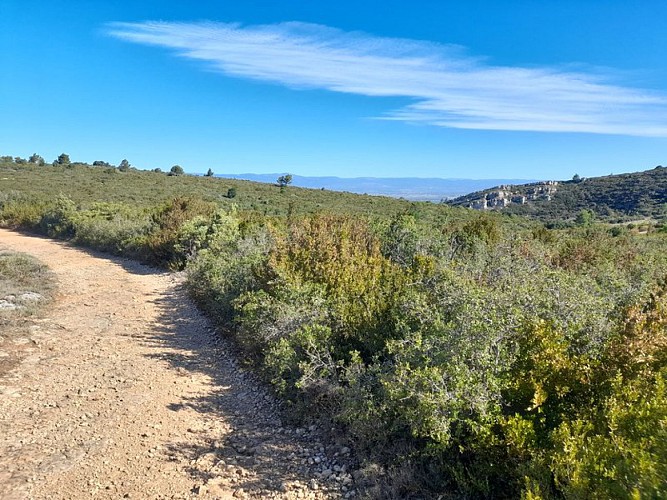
124	390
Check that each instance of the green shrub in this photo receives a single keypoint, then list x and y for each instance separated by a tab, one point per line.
112	228
165	245
225	263
58	221
22	213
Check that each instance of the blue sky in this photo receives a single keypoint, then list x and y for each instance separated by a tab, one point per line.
474	89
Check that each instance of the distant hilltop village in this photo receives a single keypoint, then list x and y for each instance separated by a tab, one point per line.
506	195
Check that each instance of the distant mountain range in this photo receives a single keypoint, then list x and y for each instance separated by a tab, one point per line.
614	198
410	188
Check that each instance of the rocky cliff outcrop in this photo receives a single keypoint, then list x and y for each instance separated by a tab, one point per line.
506	195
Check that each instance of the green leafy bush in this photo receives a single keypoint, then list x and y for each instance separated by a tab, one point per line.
166	244
111	227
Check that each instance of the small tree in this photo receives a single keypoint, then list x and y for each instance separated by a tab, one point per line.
36	160
176	170
585	218
209	173
124	166
63	159
20	161
284	180
157	170
576	178
231	193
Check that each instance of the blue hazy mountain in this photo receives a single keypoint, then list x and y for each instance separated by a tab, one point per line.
410	188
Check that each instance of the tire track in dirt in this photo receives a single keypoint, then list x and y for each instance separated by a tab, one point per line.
127	392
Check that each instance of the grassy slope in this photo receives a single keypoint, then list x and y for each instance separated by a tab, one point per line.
86	185
90	184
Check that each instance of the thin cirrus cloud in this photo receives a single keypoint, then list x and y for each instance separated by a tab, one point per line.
446	88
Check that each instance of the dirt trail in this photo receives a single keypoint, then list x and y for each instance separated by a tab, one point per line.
124	391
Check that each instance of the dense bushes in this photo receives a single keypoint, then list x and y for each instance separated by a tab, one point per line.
472	357
492	362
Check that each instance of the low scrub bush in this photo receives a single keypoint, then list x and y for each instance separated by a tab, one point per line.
20	212
165	245
112	228
229	251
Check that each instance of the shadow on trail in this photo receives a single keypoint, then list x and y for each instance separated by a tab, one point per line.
254	452
130	265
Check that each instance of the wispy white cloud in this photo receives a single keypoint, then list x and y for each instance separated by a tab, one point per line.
448	88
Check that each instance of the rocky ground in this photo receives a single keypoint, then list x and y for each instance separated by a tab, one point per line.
123	390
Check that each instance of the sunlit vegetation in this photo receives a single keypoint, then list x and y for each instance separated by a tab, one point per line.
466	354
88	184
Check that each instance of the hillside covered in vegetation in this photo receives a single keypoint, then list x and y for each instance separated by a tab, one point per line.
612	198
464	354
103	182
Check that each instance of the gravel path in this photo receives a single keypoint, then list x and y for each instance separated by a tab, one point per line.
125	391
